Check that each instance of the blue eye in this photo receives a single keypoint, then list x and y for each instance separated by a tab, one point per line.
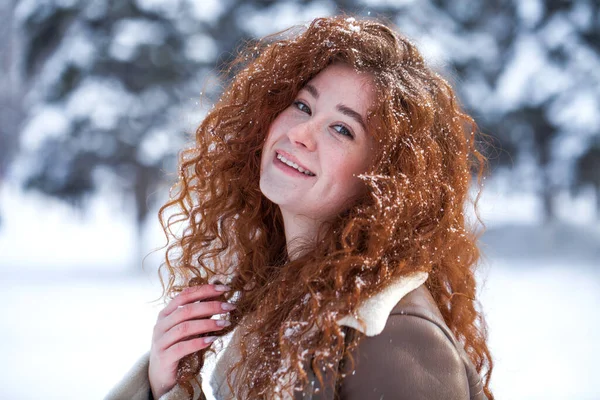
302	107
343	130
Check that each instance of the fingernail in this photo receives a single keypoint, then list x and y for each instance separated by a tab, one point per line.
223	322
222	288
209	339
227	306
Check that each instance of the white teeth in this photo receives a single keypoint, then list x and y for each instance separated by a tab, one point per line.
294	165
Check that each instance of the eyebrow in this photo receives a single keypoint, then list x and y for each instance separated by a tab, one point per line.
312	90
340	107
352	114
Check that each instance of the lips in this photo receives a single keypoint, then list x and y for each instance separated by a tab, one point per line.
292	163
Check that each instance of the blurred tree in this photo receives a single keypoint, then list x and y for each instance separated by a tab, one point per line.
588	170
532	121
107	82
11	89
527	71
565	95
109	79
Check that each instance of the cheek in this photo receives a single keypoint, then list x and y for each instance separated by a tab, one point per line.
280	124
270	138
344	178
346	171
346	164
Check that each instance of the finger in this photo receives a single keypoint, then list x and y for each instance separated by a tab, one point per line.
182	349
192	294
192	311
190	328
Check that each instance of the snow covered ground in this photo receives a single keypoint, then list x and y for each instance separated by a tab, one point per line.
75	338
543	328
74	317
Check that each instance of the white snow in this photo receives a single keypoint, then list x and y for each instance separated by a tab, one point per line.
47	121
515	83
282	15
153	146
130	33
103	101
530	12
543	325
43	235
161	7
201	48
77	337
71	338
206	10
577	112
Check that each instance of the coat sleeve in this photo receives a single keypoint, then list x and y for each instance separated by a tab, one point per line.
135	385
412	359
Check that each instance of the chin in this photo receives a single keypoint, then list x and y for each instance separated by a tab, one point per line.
276	197
270	192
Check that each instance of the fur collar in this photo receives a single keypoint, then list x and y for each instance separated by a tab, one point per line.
374	311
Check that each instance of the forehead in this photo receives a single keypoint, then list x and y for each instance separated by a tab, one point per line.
347	86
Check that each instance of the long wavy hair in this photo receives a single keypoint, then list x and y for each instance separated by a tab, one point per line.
411	218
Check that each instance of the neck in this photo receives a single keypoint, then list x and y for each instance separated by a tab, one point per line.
299	232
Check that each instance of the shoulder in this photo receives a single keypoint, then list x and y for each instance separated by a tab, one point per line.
414	357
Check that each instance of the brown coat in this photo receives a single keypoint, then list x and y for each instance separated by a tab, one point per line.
408	354
415	357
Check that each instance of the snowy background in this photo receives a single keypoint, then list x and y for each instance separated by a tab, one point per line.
96	98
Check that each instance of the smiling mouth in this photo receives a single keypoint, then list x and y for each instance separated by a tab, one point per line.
293	165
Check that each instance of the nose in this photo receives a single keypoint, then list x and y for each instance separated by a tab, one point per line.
303	135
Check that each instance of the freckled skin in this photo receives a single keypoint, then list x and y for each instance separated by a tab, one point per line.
315	133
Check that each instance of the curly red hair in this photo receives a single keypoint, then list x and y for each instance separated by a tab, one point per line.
410	219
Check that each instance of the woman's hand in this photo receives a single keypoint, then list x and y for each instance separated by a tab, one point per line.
187	315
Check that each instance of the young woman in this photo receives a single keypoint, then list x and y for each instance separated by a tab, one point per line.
327	190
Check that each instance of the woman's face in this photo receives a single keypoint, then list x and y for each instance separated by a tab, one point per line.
322	134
